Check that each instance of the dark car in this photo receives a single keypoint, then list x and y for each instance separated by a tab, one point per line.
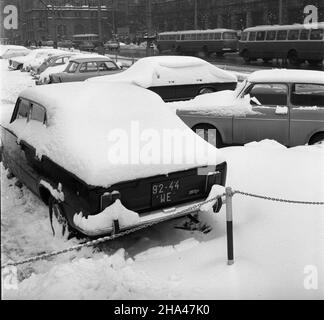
61	143
80	69
86	46
175	78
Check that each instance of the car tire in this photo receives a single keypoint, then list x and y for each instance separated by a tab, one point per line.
317	139
209	134
205	91
59	223
293	58
246	56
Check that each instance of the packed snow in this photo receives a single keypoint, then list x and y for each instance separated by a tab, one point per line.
163	70
277	246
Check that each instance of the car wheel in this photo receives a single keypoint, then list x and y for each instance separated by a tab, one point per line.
317	139
293	58
246	56
205	91
209	133
58	221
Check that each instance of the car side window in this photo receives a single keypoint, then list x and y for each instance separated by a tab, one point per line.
307	95
89	67
271	94
72	67
107	66
38	113
23	109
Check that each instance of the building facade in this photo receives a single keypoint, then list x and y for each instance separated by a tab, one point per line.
61	19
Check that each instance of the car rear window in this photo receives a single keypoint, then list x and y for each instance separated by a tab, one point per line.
23	109
38	113
310	95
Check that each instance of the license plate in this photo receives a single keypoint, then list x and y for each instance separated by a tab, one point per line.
165	192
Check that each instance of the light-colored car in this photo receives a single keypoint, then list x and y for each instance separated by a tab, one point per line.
174	77
11	51
283	105
61	143
34	59
83	68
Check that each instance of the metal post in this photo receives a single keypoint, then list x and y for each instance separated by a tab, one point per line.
229	226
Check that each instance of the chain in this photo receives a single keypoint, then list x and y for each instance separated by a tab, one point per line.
277	199
91	243
181	213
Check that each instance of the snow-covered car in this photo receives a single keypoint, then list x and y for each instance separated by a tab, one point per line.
69	143
34	59
284	105
11	51
53	61
85	67
175	78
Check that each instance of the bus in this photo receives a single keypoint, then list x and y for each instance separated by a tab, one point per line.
201	42
89	39
297	43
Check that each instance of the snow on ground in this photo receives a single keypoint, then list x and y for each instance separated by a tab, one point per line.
274	242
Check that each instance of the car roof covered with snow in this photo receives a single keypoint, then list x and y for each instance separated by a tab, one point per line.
160	70
87	124
287	76
89	58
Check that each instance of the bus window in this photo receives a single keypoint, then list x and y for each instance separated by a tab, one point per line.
252	36
210	36
183	37
244	36
282	35
199	36
271	35
218	36
293	34
304	34
260	36
229	36
317	34
193	36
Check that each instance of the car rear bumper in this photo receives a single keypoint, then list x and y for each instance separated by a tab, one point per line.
153	217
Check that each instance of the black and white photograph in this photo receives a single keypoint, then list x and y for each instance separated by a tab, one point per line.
166	151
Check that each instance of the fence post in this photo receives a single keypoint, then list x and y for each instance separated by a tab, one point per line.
229	226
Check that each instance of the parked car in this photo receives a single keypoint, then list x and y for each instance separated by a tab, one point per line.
82	68
65	44
112	45
61	143
175	78
53	61
87	46
284	105
11	51
34	59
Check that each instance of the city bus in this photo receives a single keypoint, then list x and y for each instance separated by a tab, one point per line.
297	43
201	42
89	39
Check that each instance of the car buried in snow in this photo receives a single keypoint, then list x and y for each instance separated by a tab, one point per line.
283	105
83	68
175	78
87	151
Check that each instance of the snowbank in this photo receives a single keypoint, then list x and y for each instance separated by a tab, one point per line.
159	71
44	76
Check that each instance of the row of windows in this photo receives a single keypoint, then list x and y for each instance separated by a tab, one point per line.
199	36
303	34
91	67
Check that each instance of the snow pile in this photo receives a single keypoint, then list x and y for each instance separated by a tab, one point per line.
105	219
216	191
281	110
91	133
222	104
169	70
44	76
102	278
267	143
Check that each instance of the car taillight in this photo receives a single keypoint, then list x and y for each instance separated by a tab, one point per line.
108	199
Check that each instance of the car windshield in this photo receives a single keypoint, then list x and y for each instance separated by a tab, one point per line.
72	67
